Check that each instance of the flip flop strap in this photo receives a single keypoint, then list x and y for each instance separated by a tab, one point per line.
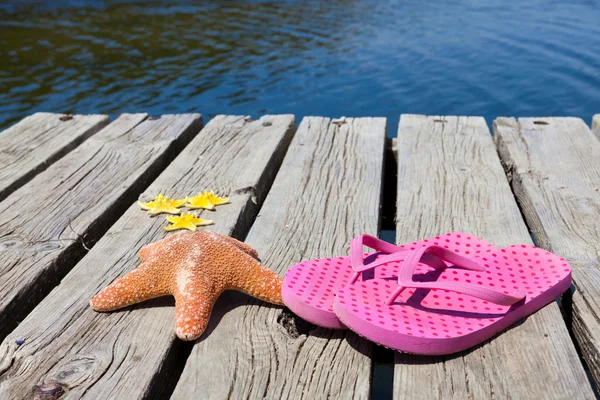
356	250
410	263
394	253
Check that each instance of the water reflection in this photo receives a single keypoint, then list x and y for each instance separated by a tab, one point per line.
309	58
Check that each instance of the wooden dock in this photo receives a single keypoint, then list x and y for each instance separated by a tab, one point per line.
69	226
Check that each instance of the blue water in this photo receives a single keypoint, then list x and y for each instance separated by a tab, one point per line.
330	58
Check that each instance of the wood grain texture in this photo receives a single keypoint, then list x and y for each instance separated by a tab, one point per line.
596	125
31	145
328	191
134	353
46	224
450	179
554	167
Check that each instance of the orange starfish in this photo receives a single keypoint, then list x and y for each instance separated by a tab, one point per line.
194	267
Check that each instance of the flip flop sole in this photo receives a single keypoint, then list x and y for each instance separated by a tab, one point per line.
437	322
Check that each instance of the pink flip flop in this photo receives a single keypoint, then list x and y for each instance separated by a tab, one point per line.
437	310
309	288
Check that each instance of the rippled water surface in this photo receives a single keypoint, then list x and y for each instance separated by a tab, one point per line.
331	58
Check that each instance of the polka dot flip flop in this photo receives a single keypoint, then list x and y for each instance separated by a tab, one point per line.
437	310
309	288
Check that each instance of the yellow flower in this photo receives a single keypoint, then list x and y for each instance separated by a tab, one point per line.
186	221
201	201
162	204
216	200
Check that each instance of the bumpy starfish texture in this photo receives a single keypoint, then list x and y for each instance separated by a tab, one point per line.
186	221
162	204
200	201
194	267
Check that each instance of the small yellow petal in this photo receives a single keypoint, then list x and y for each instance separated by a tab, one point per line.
216	200
145	206
179	203
175	227
186	221
163	209
200	201
162	204
172	220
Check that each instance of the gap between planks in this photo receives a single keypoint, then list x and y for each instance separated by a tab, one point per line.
133	353
47	223
328	191
591	279
596	125
34	143
450	179
554	168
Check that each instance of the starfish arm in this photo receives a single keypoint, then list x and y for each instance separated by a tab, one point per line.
216	200
143	283
144	206
194	301
258	281
201	201
149	250
166	210
242	246
203	222
179	203
201	206
181	225
172	219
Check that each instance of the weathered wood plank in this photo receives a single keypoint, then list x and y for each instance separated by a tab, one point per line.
30	146
134	353
450	179
328	191
596	125
554	167
46	224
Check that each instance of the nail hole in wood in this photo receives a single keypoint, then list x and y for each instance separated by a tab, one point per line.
540	122
294	325
48	391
